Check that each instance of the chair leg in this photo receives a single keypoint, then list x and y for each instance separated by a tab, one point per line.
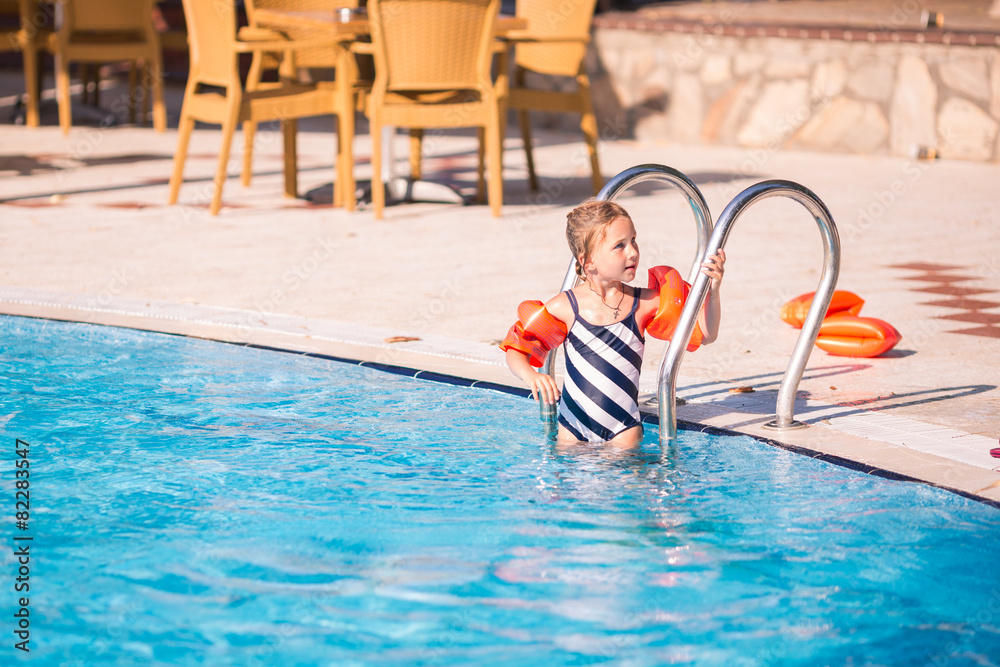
378	188
289	128
494	150
480	165
32	84
249	134
347	75
62	86
503	88
155	72
524	120
588	123
235	100
416	149
40	75
184	129
345	185
250	126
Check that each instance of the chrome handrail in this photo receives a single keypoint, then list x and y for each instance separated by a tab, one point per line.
611	190
785	408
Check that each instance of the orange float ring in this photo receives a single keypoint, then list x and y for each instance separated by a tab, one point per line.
794	312
847	335
843	332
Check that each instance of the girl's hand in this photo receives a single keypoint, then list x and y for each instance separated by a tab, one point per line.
543	388
714	267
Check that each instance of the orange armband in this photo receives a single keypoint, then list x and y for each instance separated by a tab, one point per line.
673	292
535	332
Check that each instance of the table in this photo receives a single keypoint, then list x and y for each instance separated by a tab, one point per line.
330	21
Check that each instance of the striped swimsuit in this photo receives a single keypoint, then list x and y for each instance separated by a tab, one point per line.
601	391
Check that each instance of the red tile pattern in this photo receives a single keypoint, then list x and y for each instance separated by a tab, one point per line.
942	279
924	266
966	304
951	291
974	316
931	276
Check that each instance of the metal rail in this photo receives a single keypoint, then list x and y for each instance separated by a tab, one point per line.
614	187
785	408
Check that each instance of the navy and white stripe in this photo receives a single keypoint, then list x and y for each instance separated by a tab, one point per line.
601	392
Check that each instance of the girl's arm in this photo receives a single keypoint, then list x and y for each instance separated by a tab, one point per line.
711	314
543	387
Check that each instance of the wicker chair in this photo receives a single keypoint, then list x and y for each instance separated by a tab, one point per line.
102	31
326	57
215	52
433	70
555	43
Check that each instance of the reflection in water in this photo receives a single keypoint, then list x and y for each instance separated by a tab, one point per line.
606	504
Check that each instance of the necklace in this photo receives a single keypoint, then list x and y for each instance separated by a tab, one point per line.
614	308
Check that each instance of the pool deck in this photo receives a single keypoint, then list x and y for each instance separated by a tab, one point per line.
87	236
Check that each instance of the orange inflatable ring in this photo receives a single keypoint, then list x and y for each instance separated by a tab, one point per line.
673	293
535	333
794	312
847	335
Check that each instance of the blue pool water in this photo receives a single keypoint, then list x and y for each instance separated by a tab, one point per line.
194	503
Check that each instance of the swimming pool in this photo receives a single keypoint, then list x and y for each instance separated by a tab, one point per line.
206	504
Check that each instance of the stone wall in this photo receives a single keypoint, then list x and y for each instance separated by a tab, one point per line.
879	92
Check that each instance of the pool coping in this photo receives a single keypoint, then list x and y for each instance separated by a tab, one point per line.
443	360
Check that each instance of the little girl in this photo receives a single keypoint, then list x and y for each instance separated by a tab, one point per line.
603	321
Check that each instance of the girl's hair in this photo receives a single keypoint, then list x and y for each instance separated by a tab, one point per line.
587	225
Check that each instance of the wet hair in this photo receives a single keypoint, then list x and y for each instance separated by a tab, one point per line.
587	225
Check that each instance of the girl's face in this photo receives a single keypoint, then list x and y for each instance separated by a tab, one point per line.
616	257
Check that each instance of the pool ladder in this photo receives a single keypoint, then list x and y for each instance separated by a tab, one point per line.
710	240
